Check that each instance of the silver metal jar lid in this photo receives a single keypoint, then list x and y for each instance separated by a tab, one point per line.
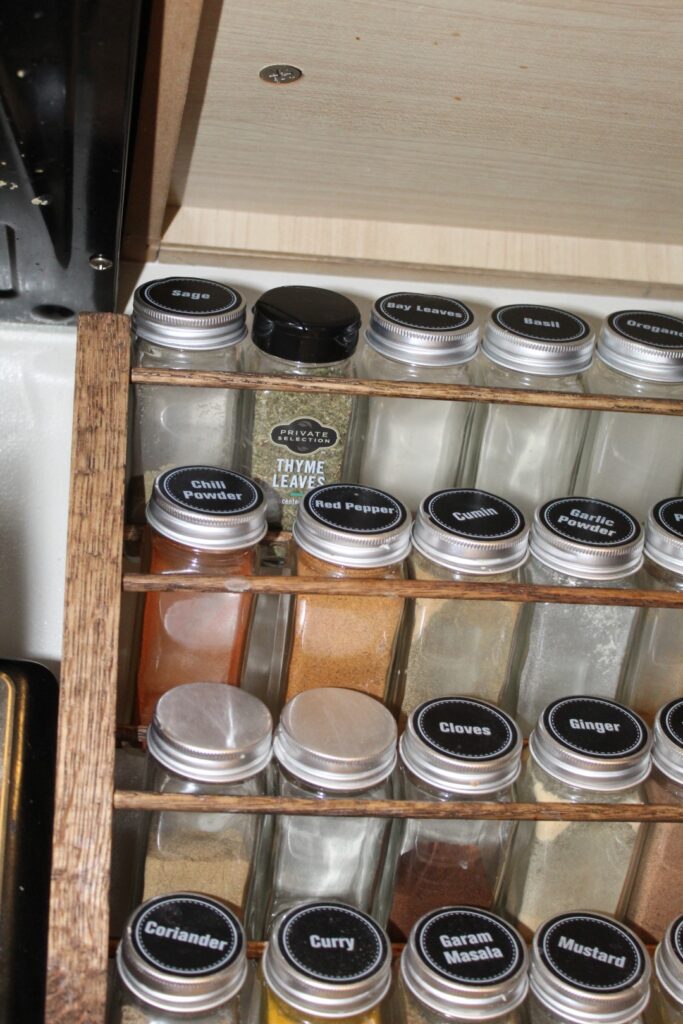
426	330
336	739
538	339
592	743
355	526
207	507
328	960
189	312
462	745
211	732
587	538
183	953
587	967
471	531
465	963
667	745
669	961
664	534
643	344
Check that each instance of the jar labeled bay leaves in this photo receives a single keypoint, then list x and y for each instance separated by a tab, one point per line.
294	441
667	987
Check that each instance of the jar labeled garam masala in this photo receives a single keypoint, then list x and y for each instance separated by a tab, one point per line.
208	520
460	964
453	748
347	532
587	967
583	750
667	986
294	441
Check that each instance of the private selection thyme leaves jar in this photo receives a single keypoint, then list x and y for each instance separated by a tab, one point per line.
462	964
183	323
667	987
296	441
411	447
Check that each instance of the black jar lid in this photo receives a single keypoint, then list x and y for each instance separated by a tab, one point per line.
306	325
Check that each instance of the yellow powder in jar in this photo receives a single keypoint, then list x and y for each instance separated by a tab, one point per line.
278	1012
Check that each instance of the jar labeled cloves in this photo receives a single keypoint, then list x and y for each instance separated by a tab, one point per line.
667	985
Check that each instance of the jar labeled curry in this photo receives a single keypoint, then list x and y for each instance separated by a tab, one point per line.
203	520
411	446
462	646
453	749
206	739
586	967
183	323
343	531
331	743
583	750
462	964
326	961
667	986
294	441
182	957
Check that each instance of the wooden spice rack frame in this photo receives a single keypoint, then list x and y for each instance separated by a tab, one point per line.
85	794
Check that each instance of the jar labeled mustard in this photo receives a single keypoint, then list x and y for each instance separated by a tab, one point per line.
667	986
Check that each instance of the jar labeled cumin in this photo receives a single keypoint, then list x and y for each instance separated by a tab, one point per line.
667	986
344	531
453	749
462	964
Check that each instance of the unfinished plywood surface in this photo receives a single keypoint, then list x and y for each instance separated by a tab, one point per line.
558	117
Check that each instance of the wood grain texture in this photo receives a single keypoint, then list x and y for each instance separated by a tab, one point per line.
77	951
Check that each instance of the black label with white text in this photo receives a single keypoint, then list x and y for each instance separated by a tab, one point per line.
591	952
590	521
541	323
218	492
425	312
648	328
190	295
595	726
332	942
469	946
474	514
187	934
355	509
671	720
669	515
465	728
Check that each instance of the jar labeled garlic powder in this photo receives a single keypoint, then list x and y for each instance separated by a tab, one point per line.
667	987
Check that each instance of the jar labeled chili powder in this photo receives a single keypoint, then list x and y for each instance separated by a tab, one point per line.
667	987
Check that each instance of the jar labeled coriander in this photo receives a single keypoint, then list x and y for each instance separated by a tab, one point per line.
182	958
206	739
462	646
462	964
667	986
326	961
411	447
587	968
583	750
630	458
294	441
574	648
530	453
183	323
453	749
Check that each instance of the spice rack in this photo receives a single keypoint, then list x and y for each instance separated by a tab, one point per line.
85	794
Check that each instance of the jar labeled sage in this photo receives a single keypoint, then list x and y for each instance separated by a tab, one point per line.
667	986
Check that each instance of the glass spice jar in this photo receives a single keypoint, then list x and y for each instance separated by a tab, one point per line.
294	441
586	968
530	453
461	646
206	739
344	531
209	521
182	957
667	986
453	749
326	961
330	743
462	964
183	323
630	458
583	750
651	674
411	446
658	888
565	649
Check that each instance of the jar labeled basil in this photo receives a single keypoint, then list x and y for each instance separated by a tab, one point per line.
530	453
586	967
331	743
462	964
411	447
652	672
206	739
583	750
667	986
182	957
630	458
296	441
571	649
183	323
326	961
462	646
